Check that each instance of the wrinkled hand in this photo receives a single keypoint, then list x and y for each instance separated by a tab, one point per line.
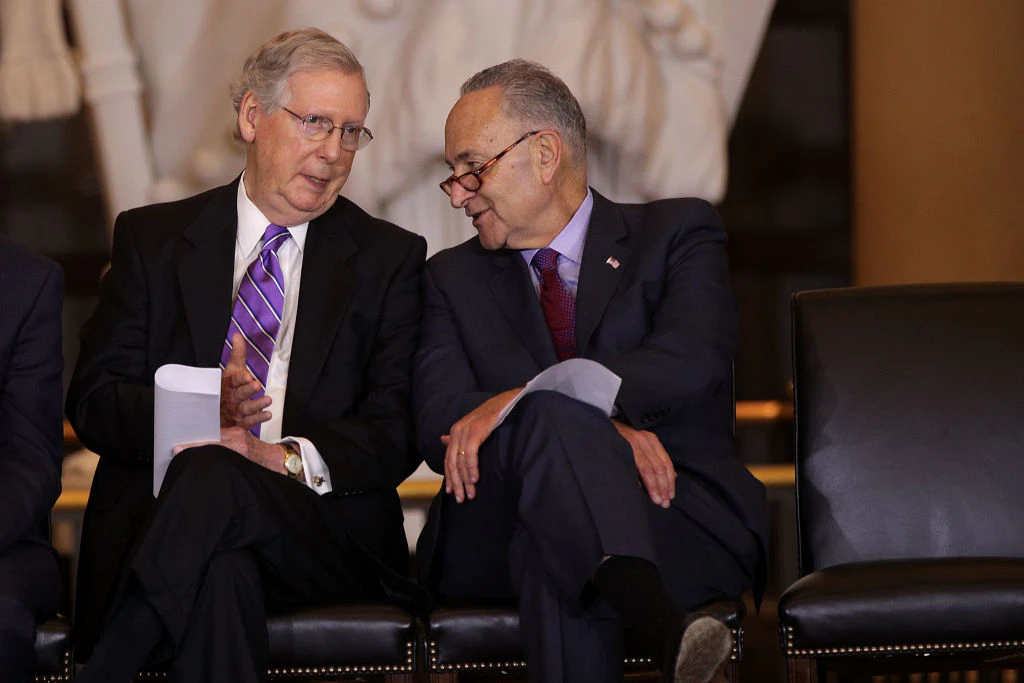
461	470
656	470
241	441
237	386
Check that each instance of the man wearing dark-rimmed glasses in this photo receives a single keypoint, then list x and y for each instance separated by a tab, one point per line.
311	307
591	522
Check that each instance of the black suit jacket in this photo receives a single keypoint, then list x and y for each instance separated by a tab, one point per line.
663	320
167	299
31	364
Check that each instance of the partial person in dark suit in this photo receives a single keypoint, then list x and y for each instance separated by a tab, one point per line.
31	442
312	306
591	522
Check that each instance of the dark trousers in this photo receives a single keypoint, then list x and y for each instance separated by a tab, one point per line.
29	591
558	492
229	541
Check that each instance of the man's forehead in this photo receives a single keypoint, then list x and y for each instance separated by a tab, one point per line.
323	87
313	80
474	125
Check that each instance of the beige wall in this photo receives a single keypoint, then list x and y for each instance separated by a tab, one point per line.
938	140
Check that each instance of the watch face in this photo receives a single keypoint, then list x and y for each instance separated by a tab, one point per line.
293	463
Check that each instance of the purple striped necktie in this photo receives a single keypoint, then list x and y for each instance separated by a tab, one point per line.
557	303
258	309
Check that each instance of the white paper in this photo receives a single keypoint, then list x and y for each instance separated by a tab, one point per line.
186	410
579	378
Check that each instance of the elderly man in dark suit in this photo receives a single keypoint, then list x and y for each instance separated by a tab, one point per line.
591	522
30	450
312	307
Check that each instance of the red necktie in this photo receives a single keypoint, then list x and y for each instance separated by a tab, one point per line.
557	303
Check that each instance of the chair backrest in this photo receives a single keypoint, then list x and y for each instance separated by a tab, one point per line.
909	422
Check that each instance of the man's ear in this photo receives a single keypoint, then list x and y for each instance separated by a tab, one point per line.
549	153
249	112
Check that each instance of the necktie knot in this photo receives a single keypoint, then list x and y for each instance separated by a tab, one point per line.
273	237
545	259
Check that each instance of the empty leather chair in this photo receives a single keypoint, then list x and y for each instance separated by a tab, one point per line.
910	439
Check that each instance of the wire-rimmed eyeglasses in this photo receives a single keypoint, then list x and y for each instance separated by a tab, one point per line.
470	180
316	128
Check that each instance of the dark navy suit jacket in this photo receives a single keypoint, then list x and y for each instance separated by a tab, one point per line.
664	321
31	432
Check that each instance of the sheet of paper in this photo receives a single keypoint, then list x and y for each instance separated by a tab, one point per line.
579	378
186	410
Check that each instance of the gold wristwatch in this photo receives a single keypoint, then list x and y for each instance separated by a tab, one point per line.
292	460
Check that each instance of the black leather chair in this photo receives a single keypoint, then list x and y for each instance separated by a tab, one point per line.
344	641
484	638
910	497
53	651
54	654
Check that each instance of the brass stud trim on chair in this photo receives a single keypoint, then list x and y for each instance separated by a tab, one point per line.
435	666
327	671
790	649
66	675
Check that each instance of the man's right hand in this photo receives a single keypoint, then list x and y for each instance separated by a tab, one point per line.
237	387
461	470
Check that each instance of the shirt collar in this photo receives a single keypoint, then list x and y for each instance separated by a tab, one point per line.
252	224
569	242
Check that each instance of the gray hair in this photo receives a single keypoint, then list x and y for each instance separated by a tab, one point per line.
267	70
537	97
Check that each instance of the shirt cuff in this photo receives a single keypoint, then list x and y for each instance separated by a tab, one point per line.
314	469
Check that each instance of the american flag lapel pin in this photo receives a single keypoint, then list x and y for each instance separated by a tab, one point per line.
613	262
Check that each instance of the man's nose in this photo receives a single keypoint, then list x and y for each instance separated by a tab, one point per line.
459	196
330	148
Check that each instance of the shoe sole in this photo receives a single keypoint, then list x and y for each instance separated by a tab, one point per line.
705	646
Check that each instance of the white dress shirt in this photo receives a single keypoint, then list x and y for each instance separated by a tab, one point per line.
248	242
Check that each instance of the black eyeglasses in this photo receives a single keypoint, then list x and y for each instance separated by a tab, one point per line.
470	180
318	128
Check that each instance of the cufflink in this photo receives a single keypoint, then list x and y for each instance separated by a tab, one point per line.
318	481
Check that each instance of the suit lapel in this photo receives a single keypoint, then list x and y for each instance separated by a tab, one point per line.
204	261
513	294
599	278
327	285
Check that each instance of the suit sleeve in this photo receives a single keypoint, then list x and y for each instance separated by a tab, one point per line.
31	435
110	399
371	447
444	385
687	354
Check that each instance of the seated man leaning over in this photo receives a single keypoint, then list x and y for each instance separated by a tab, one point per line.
313	307
590	522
